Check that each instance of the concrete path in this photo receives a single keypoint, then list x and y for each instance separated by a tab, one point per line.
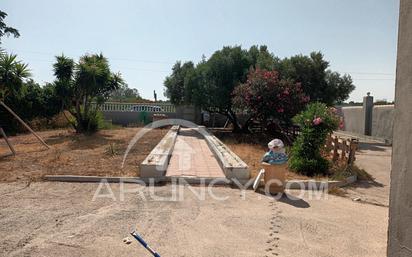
376	160
192	157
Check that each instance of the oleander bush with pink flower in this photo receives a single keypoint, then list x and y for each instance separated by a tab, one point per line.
265	96
316	122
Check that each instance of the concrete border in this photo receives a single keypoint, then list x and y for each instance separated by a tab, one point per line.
136	180
313	184
296	184
156	163
291	184
92	179
232	165
363	138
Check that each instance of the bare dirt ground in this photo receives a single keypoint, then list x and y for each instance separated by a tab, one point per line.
60	219
73	154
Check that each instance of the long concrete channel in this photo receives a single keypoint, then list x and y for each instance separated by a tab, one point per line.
194	154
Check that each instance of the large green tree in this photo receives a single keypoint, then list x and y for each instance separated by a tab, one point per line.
177	84
6	30
224	70
31	101
318	82
84	86
210	84
125	94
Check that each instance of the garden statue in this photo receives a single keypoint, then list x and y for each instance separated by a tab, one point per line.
276	153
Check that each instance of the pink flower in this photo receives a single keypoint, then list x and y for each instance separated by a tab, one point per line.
280	110
317	121
341	123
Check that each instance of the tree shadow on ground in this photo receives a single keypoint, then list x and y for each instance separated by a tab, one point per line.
366	184
294	201
58	139
82	142
372	147
287	199
190	133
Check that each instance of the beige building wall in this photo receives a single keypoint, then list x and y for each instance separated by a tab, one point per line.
400	209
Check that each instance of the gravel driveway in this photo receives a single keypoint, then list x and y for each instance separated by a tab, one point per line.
60	219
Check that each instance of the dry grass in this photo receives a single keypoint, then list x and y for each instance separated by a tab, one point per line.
337	191
100	154
252	154
251	148
341	170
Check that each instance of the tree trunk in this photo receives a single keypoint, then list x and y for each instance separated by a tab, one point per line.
245	126
67	118
233	118
24	124
79	119
7	142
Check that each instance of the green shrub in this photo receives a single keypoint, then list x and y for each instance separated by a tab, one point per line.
316	122
91	122
30	102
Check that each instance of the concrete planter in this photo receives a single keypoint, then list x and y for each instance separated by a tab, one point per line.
156	163
232	165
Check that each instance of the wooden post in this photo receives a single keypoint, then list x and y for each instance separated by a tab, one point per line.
24	124
342	149
7	141
352	151
335	148
329	144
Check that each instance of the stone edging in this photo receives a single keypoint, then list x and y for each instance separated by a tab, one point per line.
315	185
156	163
231	164
135	180
291	184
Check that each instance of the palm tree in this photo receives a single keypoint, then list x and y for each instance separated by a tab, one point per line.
63	70
80	84
12	75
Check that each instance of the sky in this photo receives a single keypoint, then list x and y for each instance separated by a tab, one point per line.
143	39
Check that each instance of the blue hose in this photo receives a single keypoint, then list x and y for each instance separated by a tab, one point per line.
145	245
